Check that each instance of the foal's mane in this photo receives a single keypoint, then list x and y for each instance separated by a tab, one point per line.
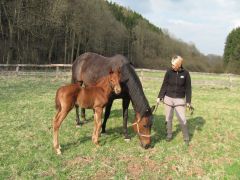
100	80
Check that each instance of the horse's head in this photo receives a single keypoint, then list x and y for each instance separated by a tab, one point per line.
142	125
115	80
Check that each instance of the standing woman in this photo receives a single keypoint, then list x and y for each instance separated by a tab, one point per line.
175	93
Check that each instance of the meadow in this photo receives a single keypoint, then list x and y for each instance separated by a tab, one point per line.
27	109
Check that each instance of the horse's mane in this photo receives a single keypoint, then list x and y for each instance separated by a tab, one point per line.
133	83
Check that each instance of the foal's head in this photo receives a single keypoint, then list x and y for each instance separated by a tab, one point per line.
114	79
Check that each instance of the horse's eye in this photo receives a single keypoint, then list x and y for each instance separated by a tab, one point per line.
145	126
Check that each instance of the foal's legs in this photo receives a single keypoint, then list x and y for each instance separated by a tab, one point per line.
78	123
60	116
83	114
97	125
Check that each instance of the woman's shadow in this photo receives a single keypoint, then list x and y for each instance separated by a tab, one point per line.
194	124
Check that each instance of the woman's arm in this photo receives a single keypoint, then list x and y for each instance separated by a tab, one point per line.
163	89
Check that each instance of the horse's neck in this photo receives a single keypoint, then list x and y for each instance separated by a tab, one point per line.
104	85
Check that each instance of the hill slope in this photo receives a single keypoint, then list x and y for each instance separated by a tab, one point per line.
58	31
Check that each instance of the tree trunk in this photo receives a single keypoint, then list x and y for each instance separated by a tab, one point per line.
78	46
73	43
10	28
51	50
10	46
65	46
1	26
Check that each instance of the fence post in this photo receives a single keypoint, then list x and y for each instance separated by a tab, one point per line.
17	69
57	71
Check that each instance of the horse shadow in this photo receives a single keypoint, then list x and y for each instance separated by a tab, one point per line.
158	129
76	143
112	133
117	132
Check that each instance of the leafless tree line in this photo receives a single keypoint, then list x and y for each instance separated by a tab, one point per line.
57	31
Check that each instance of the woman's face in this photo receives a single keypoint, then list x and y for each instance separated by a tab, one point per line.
175	66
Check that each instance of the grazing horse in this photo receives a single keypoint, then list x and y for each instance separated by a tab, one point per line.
89	67
92	97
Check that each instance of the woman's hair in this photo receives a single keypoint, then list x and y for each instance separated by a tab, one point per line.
177	60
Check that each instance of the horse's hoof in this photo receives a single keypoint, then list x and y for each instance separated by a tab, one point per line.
78	126
95	141
127	139
58	151
97	145
84	120
103	132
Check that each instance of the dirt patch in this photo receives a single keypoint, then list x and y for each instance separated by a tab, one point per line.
222	160
136	166
151	165
51	172
231	136
171	158
135	169
82	161
195	171
103	174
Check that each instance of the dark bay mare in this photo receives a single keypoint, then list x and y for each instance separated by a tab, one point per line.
92	97
89	67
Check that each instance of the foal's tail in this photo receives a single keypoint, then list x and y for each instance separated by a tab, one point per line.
57	102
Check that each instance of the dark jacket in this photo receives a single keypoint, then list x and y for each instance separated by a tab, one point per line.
176	84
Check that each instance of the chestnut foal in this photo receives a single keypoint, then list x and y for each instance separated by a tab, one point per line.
91	97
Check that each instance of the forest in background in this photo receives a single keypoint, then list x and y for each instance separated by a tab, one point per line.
57	31
231	54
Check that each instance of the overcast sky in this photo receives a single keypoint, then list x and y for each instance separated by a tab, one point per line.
206	23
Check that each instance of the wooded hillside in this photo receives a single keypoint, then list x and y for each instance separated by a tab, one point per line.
56	31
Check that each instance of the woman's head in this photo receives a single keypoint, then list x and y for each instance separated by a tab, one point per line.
176	62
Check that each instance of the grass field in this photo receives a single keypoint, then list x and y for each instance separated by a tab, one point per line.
27	109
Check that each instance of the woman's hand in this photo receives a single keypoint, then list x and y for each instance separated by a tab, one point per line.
159	100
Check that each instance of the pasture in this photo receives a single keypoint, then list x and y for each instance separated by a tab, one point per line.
27	109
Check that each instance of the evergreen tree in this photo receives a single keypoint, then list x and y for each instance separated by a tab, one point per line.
232	51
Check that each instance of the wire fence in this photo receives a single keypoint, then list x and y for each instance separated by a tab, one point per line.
64	70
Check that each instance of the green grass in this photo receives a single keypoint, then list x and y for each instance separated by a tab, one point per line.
27	109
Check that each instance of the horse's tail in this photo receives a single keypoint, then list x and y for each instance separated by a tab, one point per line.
57	102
